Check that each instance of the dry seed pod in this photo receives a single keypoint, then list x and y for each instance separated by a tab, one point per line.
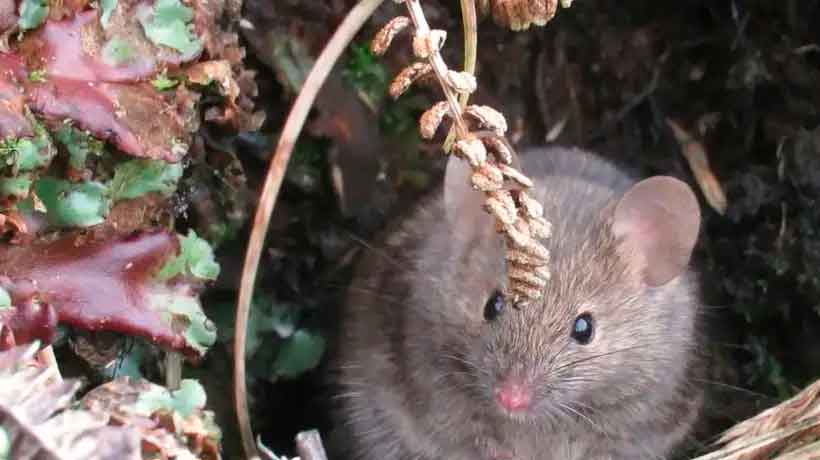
542	272
502	153
520	14
485	184
493	173
462	82
498	206
425	45
525	291
515	175
473	150
432	118
523	227
531	207
536	249
518	238
381	42
526	276
519	257
406	77
539	227
488	118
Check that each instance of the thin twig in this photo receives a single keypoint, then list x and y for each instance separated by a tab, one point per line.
354	20
468	15
309	446
439	67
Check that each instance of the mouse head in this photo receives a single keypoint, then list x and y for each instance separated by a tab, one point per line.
616	319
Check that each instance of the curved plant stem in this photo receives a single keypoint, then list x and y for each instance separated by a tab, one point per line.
416	14
468	16
270	190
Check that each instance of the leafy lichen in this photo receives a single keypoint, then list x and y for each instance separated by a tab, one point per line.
196	259
169	24
186	400
136	178
117	51
108	7
32	14
5	299
73	205
79	145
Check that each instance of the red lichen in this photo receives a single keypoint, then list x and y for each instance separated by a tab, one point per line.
95	284
28	321
134	117
112	100
13	121
72	49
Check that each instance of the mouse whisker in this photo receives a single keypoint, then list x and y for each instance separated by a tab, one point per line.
767	398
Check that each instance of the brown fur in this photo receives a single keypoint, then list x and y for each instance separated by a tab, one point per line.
418	362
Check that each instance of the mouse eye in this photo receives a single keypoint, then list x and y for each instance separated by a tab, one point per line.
494	306
582	329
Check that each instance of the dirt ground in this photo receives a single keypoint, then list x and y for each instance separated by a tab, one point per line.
741	77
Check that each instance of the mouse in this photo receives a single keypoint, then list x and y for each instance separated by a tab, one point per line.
435	361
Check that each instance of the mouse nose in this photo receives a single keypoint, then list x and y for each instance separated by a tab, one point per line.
513	395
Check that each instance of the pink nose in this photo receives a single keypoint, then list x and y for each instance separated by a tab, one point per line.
513	395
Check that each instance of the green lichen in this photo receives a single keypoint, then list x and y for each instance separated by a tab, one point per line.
196	259
108	7
200	332
169	24
136	178
79	144
32	14
163	82
300	353
73	204
188	398
27	153
38	75
117	51
5	299
15	187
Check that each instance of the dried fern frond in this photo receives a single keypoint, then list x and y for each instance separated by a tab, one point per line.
788	431
479	140
36	423
521	14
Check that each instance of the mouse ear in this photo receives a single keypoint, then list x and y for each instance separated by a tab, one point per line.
463	205
658	221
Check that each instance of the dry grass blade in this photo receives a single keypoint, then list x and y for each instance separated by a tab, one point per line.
695	154
777	430
747	449
354	20
808	452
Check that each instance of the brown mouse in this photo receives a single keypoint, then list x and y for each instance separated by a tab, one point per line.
436	364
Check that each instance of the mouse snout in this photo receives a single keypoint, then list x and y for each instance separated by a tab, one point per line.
514	394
